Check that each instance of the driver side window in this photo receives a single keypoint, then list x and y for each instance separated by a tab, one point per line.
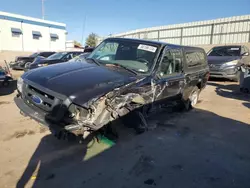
171	63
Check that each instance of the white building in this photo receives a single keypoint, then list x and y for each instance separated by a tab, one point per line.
27	34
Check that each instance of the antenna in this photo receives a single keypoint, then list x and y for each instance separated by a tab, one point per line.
43	9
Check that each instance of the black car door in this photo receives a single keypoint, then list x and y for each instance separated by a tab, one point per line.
171	78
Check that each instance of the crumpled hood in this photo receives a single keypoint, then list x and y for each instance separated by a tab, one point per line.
80	81
221	59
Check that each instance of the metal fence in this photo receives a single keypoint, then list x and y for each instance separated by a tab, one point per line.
219	31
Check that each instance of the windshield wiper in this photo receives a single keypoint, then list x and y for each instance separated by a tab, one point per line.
124	67
94	60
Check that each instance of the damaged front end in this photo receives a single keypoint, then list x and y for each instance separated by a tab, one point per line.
65	117
101	111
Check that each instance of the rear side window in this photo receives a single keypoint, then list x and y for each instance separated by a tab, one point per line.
171	62
195	58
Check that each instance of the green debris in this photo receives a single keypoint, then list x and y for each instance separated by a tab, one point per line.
105	140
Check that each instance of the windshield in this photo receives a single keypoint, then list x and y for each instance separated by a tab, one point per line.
135	55
34	55
80	58
225	51
57	55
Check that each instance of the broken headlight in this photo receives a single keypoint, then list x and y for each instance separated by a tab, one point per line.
20	85
77	112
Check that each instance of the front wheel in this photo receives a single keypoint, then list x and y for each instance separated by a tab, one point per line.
192	99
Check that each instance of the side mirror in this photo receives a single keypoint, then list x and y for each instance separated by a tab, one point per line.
245	54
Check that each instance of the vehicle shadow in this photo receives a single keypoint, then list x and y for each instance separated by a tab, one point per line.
229	91
199	148
220	80
7	90
246	104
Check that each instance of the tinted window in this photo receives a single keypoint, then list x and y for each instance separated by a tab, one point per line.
225	51
88	49
76	54
195	58
68	56
57	55
34	55
171	62
46	54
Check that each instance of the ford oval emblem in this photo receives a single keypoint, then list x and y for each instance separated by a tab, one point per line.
36	99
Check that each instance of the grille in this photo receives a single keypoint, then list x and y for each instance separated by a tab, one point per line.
215	67
46	100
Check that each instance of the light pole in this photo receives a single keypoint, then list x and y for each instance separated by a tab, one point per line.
43	9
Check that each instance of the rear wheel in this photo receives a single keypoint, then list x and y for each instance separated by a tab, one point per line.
192	99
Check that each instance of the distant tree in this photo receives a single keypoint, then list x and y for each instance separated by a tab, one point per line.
77	44
91	40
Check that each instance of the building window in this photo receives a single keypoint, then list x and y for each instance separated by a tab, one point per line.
36	35
53	37
16	32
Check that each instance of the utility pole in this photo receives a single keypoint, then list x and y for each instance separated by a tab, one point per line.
83	28
43	9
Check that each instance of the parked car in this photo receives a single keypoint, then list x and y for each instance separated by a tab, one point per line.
224	60
81	57
122	78
5	76
21	61
58	57
88	49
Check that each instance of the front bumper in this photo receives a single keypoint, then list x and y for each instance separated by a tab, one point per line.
17	67
229	73
40	116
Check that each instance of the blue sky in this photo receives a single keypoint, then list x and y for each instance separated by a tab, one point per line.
114	16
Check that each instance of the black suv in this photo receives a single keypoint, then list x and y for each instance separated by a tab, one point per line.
58	57
121	78
224	61
21	61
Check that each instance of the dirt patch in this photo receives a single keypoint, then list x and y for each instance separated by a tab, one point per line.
4	102
20	134
43	129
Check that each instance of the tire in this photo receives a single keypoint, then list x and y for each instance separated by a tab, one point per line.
192	99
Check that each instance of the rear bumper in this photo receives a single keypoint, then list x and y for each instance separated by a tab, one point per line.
40	116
